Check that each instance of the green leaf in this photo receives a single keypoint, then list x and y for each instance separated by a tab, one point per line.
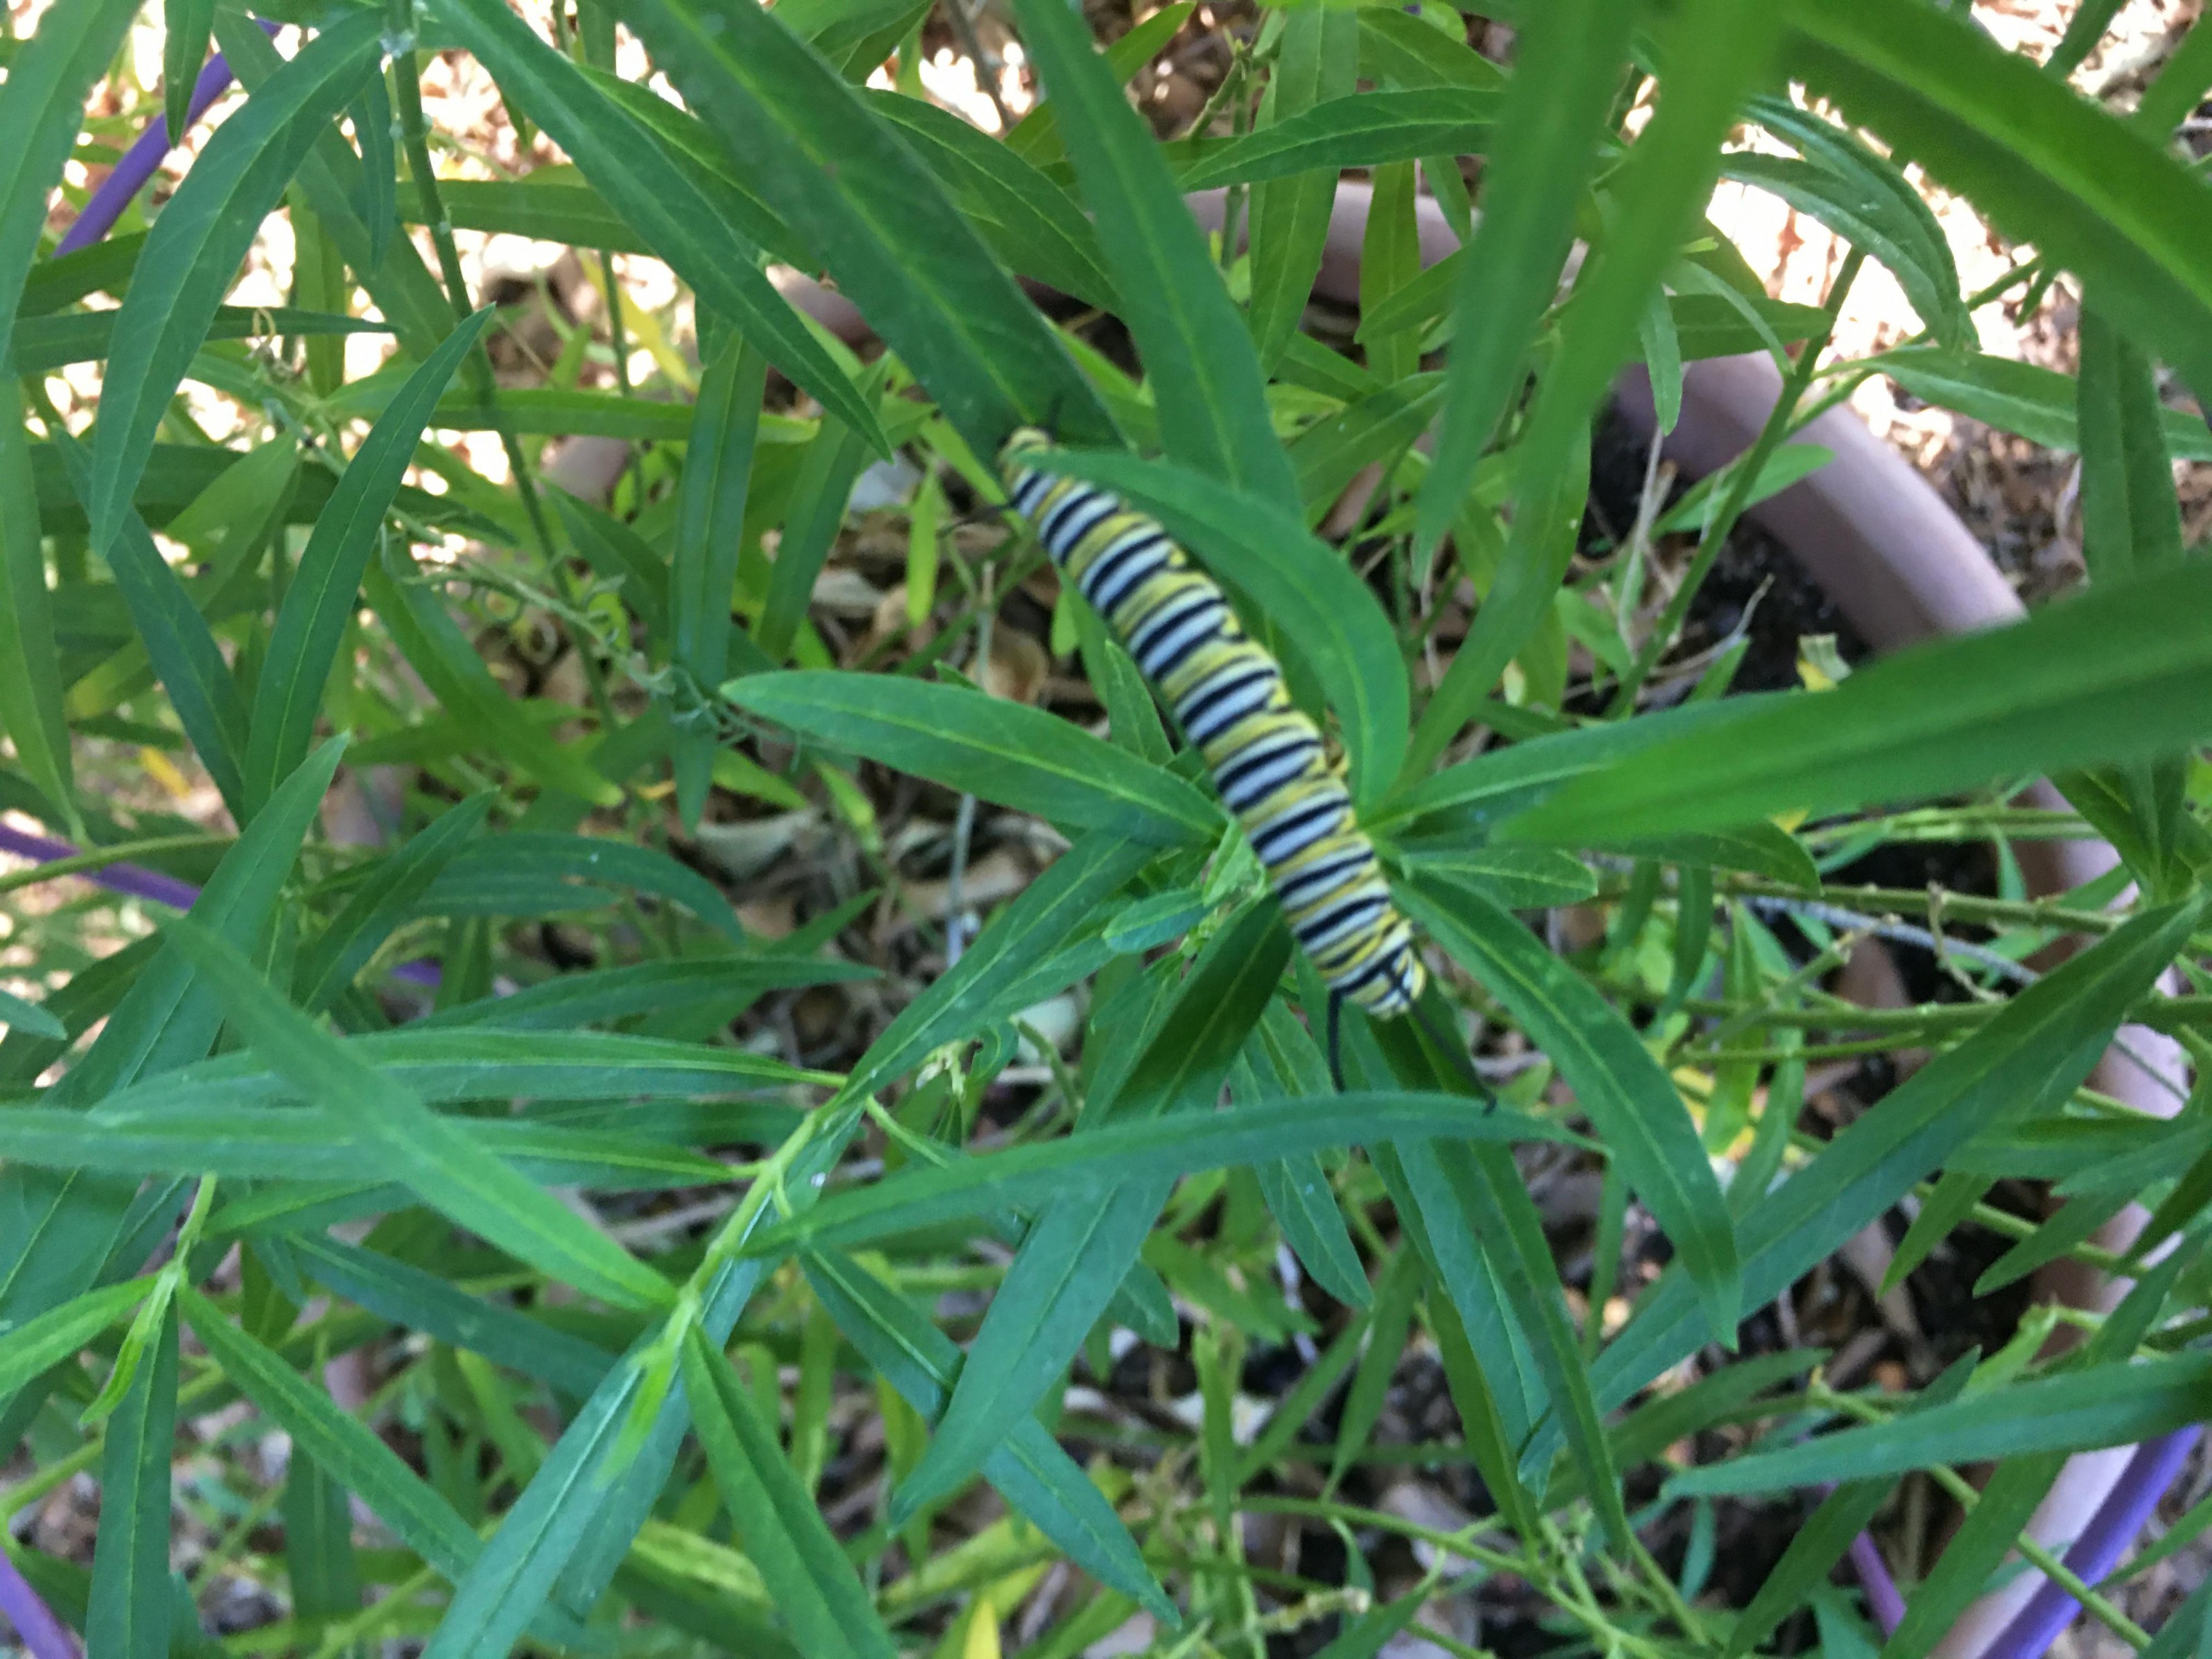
2094	194
816	512
657	193
1034	224
1368	131
1413	51
329	964
700	152
344	1445
1318	61
325	591
718	466
27	1017
2109	1406
1205	377
1865	199
956	1004
423	1301
380	182
1517	877
2037	403
1822	1540
130	1612
1077	1253
2108	677
569	1001
35	1345
2027	1059
191	666
1327	613
451	1171
2131	526
49	75
1568	62
1718	51
253	1143
1028	1468
616	553
1091	1164
1639	1114
186	25
439	1064
2017	1487
1003	751
451	666
318	1559
554	1542
816	1591
84	336
31	707
195	247
1464	802
862	199
605	860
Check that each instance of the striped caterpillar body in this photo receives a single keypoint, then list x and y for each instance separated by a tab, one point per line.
1228	696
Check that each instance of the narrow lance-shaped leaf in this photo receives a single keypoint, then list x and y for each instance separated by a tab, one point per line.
2109	1405
42	112
31	710
178	642
1318	61
328	964
1030	1470
1637	1111
2027	1059
345	1447
324	590
2107	677
1077	1253
817	1592
1717	52
857	195
1205	378
186	25
1000	750
718	466
449	1168
195	247
1095	1163
652	189
129	1610
1568	65
2095	194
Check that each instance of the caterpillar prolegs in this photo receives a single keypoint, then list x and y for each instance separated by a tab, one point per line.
1228	696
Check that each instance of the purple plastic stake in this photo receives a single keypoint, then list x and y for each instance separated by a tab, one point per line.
2118	1522
140	161
44	1635
1882	1599
137	881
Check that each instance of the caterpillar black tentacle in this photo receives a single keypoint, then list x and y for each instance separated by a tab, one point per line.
1266	757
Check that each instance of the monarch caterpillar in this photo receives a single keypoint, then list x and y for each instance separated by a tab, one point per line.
1228	696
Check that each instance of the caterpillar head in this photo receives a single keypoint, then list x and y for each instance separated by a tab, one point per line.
1024	441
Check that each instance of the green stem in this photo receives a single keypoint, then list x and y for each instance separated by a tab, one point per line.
1742	478
407	93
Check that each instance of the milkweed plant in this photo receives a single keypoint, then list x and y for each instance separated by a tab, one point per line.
899	907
